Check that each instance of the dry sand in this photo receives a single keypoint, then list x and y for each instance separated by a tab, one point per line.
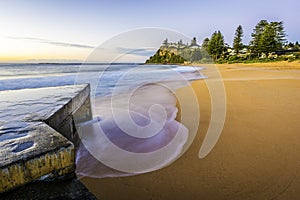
257	155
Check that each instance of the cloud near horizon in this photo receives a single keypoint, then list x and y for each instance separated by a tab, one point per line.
120	54
132	51
138	51
101	53
56	43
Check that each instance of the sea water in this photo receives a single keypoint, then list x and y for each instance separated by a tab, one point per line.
134	128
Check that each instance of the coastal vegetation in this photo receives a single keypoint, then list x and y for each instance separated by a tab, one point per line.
268	43
166	57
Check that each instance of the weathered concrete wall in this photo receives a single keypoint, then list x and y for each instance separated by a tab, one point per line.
35	128
78	109
41	151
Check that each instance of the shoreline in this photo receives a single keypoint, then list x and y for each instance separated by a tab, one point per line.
256	156
278	65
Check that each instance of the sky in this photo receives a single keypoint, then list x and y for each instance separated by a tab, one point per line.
69	30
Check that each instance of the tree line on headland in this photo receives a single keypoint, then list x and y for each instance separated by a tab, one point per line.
268	43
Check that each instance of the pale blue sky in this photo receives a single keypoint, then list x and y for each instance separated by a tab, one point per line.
52	29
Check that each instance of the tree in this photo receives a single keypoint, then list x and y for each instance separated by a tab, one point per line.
297	46
194	41
267	41
237	41
180	43
196	55
255	44
216	45
205	44
279	34
289	45
165	42
267	37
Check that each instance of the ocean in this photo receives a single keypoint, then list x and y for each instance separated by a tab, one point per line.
102	77
134	128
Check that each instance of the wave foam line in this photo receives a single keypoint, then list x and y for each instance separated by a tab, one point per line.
135	135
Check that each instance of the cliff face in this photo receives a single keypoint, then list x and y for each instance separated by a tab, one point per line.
164	56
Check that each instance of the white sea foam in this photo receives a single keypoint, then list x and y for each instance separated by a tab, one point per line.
110	144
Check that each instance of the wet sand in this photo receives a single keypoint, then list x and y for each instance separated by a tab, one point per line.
256	157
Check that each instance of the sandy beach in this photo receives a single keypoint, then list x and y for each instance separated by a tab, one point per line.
256	156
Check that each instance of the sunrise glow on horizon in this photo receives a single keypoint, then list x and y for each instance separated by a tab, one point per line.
70	30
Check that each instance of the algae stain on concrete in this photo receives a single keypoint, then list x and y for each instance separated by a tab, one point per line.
29	148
